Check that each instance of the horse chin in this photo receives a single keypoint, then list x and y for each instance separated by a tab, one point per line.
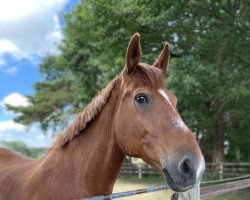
172	184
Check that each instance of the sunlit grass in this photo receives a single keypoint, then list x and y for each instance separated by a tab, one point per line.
133	183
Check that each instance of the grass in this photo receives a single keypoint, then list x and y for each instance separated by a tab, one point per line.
132	183
240	194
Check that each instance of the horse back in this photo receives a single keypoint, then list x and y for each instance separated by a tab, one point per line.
8	156
13	170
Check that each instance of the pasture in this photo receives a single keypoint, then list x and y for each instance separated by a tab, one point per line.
240	194
132	183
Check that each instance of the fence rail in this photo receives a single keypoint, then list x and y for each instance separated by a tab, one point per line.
207	191
215	190
218	187
227	169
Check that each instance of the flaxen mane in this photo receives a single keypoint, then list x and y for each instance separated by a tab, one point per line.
87	115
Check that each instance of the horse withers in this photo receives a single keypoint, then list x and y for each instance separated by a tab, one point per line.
134	115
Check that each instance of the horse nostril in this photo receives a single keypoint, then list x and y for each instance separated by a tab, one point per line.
185	168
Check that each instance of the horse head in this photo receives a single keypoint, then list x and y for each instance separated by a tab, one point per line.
147	123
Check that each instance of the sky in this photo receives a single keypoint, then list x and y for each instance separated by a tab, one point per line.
28	30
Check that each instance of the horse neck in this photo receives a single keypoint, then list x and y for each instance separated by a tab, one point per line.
91	162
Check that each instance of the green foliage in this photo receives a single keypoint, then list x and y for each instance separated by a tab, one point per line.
209	70
21	147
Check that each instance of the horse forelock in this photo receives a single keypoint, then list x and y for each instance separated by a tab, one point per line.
144	75
148	76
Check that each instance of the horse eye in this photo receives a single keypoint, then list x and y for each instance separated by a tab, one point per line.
141	98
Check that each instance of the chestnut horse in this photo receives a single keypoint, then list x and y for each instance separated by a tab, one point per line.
135	116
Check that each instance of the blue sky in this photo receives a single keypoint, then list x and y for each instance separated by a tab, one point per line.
28	29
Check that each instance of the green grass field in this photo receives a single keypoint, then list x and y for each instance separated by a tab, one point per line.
132	183
240	194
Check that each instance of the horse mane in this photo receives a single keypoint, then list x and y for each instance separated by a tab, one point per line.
89	113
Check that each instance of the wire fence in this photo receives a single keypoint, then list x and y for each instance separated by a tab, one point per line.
235	183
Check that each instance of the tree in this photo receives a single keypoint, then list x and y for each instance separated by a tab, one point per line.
209	73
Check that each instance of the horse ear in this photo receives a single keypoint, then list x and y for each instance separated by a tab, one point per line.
133	55
163	61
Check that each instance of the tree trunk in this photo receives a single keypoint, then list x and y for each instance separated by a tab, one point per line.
218	138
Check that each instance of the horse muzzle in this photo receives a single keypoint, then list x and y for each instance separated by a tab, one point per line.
184	174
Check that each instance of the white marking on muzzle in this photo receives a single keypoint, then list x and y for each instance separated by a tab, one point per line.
176	119
200	167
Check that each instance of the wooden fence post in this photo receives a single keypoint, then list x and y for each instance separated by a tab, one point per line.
221	170
140	172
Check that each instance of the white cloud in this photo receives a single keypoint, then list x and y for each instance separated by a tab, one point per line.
40	137
32	136
7	46
11	70
8	70
10	125
12	131
14	99
29	27
2	62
